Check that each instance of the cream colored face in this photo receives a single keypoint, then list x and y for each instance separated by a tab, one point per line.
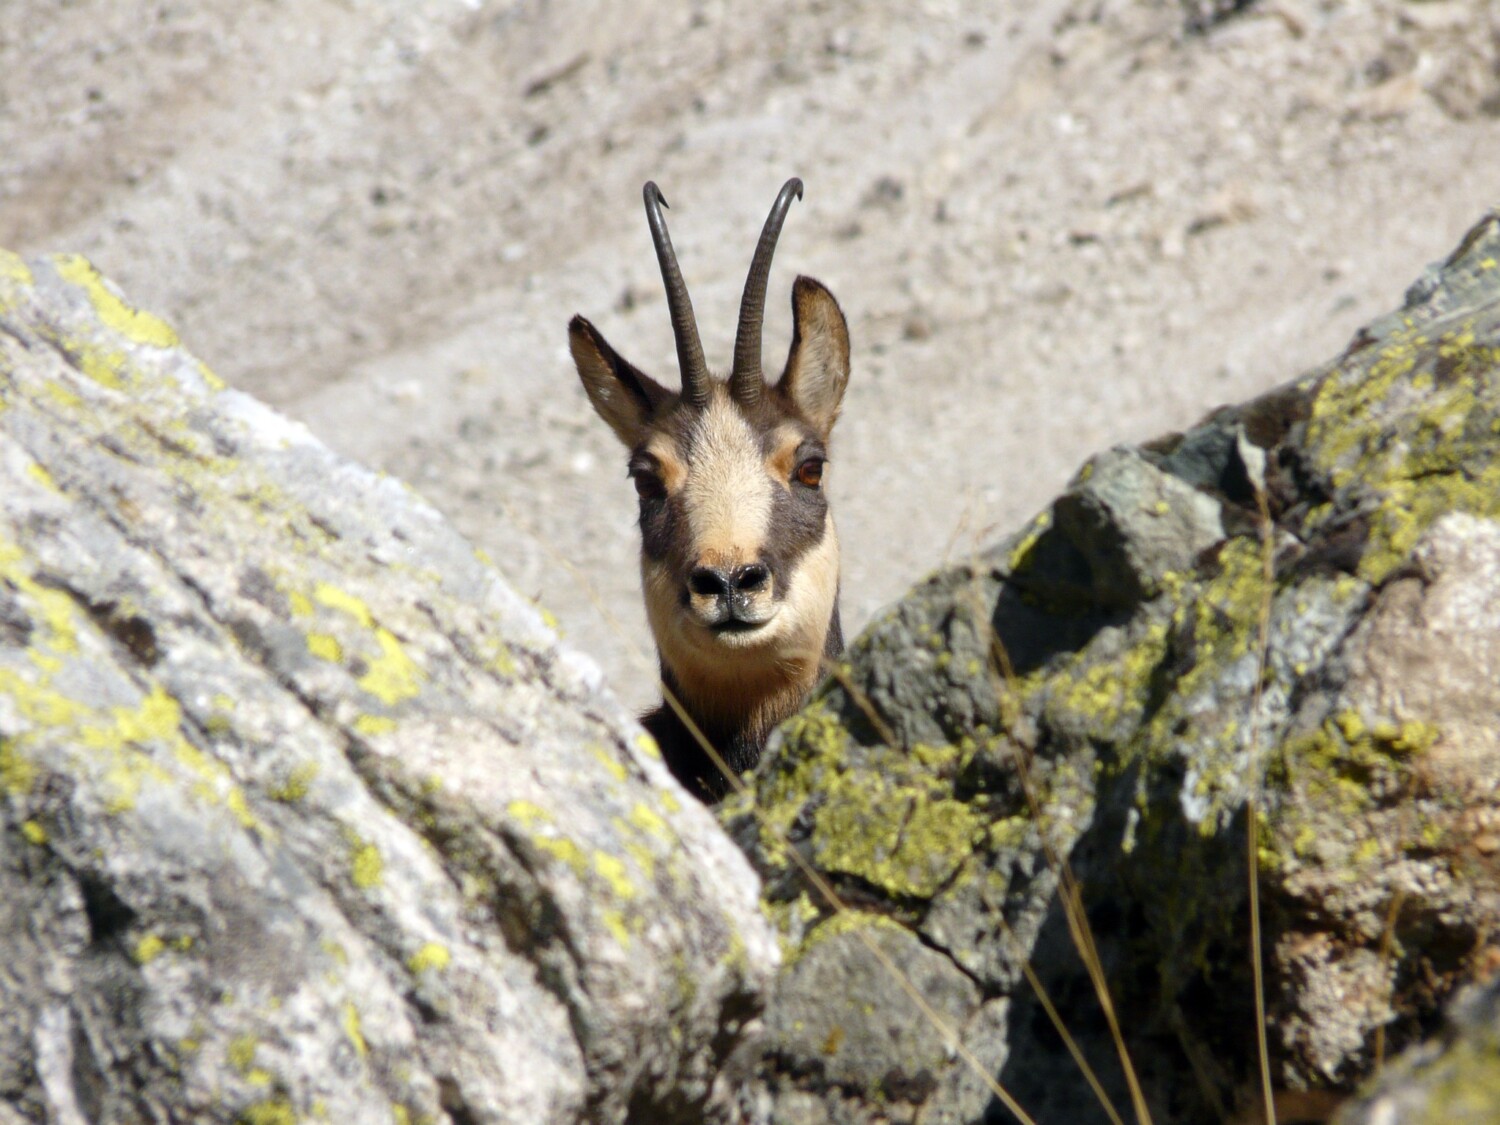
740	556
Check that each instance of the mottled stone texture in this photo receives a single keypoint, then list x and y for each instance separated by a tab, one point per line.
1297	601
304	813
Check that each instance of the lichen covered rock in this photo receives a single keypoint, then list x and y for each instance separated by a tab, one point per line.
1293	604
304	814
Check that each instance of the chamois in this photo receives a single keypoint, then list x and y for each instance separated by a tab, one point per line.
739	557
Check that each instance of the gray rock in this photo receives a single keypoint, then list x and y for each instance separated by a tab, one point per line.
1454	1079
1292	604
304	813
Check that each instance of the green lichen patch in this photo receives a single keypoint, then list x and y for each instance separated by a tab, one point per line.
902	835
1343	759
1102	691
897	827
1330	785
814	751
1409	434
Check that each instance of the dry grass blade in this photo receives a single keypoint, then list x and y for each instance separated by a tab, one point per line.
839	907
883	731
1252	798
814	878
1387	943
1003	682
1076	1052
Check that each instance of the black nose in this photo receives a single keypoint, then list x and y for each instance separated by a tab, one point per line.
718	582
751	577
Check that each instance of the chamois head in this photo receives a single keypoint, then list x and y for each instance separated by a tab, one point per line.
739	556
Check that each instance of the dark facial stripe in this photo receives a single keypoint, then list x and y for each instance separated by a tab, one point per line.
663	527
798	524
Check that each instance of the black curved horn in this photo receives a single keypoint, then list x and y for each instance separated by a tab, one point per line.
745	378
695	380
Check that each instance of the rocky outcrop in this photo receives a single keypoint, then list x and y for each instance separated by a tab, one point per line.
305	814
1293	607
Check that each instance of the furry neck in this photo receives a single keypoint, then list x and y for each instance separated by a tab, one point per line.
736	713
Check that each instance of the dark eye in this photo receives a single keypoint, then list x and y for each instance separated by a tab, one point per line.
648	485
810	472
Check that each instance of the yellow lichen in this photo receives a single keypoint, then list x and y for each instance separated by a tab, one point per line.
614	922
208	376
367	866
353	1030
148	949
432	957
141	327
845	922
565	850
613	871
393	675
325	647
503	662
527	813
648	821
900	837
326	593
14	270
39	474
1030	537
644	858
612	765
61	395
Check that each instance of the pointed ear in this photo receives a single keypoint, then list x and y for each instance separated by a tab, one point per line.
621	395
817	370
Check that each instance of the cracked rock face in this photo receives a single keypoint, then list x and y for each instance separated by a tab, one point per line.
1295	601
305	813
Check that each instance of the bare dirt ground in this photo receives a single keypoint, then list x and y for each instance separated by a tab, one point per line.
1054	226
